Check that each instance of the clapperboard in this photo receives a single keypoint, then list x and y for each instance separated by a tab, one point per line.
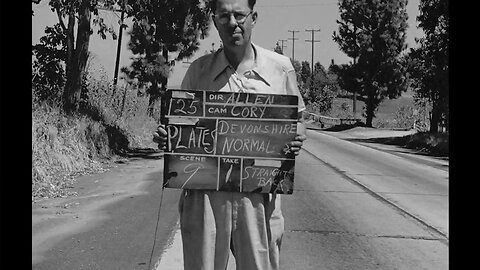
229	141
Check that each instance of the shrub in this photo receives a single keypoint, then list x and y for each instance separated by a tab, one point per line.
110	122
62	147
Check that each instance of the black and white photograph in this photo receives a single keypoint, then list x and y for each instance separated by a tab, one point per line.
238	134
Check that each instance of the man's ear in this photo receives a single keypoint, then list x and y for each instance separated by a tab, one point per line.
254	17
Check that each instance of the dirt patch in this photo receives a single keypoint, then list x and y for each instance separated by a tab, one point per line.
368	133
56	219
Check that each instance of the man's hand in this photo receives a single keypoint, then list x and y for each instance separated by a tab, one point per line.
297	143
160	137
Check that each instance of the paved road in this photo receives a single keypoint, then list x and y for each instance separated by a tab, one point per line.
354	207
360	208
111	223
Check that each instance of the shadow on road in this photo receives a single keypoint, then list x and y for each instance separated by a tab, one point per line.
405	143
142	153
421	143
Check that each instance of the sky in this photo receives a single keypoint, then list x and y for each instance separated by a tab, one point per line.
275	19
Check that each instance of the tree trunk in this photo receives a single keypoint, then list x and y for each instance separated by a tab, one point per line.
165	79
370	104
435	119
152	100
157	93
76	65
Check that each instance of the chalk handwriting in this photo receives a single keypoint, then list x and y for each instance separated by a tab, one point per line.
193	169
231	127
197	137
257	172
187	109
246	98
246	145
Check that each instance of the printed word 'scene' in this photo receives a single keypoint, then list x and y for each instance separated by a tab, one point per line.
192	158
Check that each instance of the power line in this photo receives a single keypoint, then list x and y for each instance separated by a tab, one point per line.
312	41
293	42
282	40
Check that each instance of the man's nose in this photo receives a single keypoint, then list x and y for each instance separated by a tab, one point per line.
232	21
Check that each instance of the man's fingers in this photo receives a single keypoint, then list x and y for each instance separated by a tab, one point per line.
161	130
160	137
300	138
296	144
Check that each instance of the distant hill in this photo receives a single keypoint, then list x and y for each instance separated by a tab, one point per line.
385	113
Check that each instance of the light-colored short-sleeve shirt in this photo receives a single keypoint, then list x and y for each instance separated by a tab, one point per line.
272	73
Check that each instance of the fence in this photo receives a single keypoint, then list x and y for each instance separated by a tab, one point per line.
326	121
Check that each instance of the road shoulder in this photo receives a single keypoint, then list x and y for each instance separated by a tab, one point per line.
55	219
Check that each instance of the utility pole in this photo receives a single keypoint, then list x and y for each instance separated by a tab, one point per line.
119	44
355	93
282	40
312	41
355	66
293	42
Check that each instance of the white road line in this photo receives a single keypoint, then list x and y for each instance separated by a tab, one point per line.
172	257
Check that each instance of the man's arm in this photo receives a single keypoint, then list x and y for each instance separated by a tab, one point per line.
160	135
297	143
292	89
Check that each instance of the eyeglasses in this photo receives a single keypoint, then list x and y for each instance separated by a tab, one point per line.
224	18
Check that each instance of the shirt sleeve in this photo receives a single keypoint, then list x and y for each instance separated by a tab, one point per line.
292	89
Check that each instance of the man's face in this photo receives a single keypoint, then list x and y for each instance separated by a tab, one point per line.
231	32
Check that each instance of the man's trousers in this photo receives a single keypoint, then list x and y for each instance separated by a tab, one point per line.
212	223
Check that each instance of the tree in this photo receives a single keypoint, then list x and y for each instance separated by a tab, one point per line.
160	27
348	77
320	72
48	76
374	32
428	64
278	49
71	14
321	90
298	68
305	72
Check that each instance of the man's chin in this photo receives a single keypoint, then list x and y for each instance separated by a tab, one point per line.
237	41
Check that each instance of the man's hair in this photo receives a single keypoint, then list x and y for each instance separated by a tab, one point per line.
213	4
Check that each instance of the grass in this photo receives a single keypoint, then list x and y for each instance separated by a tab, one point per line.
395	114
63	147
386	115
433	144
67	146
114	121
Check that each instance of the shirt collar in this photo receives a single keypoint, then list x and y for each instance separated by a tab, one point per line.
261	64
221	64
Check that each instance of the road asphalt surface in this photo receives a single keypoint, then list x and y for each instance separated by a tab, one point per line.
349	211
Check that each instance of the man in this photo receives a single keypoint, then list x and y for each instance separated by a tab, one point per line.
251	225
